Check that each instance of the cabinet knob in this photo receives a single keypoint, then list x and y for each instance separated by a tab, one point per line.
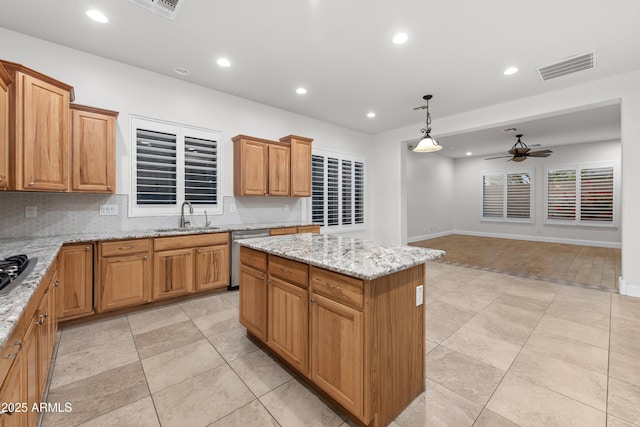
312	301
31	184
108	187
56	283
145	257
88	248
0	179
261	277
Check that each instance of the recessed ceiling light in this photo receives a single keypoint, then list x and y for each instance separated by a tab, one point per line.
510	70
301	91
400	38
182	71
97	16
223	62
371	114
469	153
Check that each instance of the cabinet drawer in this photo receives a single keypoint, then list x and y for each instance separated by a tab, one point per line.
290	271
190	241
309	229
253	258
338	287
11	348
125	247
283	230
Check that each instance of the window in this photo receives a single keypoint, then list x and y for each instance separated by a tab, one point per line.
581	195
171	164
337	198
507	196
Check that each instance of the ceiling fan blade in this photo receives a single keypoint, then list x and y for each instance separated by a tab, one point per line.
512	151
499	157
541	153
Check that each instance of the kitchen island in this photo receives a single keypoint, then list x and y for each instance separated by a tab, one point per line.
347	314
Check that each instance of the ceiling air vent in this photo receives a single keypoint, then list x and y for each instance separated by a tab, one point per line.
167	8
569	65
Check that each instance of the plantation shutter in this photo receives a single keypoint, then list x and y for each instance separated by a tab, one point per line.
519	195
358	178
156	167
317	189
493	196
561	194
347	191
333	184
596	194
201	171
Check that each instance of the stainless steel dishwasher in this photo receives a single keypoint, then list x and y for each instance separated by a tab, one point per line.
235	252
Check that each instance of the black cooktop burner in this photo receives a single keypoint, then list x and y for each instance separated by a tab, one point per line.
11	268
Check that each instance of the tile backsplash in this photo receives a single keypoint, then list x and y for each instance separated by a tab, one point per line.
66	213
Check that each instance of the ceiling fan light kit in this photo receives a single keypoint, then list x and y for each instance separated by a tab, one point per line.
520	152
426	144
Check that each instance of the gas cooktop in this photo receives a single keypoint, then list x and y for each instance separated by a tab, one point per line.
13	268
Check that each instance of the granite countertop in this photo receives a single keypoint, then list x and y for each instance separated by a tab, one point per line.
13	303
364	259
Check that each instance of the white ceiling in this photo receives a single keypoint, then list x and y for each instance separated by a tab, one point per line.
341	50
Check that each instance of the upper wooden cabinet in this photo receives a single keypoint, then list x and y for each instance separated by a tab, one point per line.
5	81
39	130
272	168
300	165
93	141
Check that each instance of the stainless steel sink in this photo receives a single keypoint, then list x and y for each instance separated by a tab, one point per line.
178	229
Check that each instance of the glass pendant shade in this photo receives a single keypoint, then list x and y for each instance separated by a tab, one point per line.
427	145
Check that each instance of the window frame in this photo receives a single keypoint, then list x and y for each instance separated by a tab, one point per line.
504	174
341	227
180	130
578	167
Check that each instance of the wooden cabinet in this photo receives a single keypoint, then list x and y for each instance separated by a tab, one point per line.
283	230
287	312
279	170
300	165
124	277
186	264
315	229
250	166
5	81
263	167
253	292
11	393
75	272
39	107
30	368
93	140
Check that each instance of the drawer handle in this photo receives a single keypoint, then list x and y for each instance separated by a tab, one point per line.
125	248
45	315
41	321
0	179
337	288
87	248
12	355
285	270
261	277
313	301
56	283
252	258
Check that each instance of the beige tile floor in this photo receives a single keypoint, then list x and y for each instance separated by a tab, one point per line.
502	351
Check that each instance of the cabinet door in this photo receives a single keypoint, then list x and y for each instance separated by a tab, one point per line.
30	363
212	267
253	301
93	152
300	168
172	273
75	271
337	355
44	162
288	314
4	128
254	168
279	170
45	341
124	281
11	393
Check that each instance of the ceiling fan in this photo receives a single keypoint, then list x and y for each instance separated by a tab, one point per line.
520	152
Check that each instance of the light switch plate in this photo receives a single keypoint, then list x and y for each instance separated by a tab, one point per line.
232	207
419	295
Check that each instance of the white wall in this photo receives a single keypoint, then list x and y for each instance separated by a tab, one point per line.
624	89
108	84
431	189
468	196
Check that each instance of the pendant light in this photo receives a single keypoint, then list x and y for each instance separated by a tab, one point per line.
426	144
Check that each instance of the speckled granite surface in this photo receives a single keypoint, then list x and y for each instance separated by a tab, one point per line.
355	257
13	303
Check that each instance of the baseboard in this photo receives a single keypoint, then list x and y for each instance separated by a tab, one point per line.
615	245
429	236
628	289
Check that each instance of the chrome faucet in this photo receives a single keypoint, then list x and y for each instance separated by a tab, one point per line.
206	219
184	222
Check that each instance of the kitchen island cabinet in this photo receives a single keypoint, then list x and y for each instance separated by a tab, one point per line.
75	271
356	308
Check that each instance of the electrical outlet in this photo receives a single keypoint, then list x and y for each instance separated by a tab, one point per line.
419	295
30	211
232	207
286	207
108	210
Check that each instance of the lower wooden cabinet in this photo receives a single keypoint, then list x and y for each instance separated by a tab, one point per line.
337	355
75	271
211	267
11	395
124	274
253	300
172	273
